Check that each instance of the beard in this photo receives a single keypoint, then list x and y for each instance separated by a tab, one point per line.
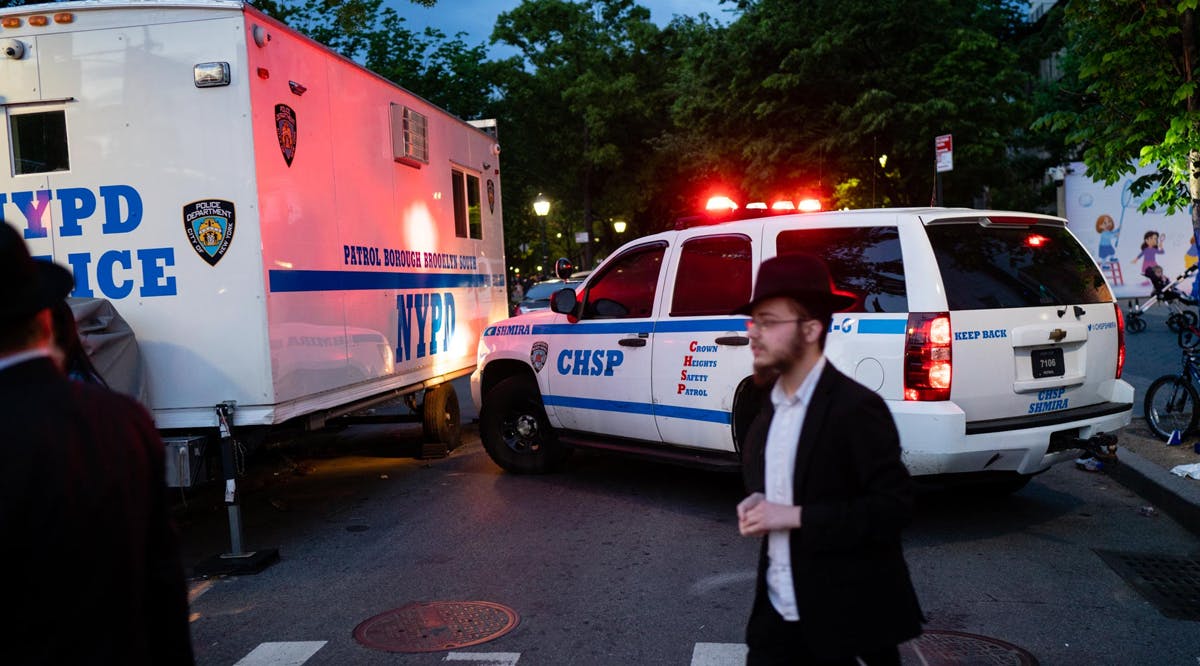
767	368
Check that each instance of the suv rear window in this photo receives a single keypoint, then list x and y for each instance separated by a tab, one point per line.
863	260
995	266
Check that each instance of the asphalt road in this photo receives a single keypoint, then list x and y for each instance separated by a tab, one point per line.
627	562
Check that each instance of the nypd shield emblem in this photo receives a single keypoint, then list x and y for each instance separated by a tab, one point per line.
285	131
209	225
538	356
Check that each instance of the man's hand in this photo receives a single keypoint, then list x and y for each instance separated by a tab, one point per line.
757	516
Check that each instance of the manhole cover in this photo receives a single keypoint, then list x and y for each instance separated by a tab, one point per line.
946	648
1172	584
433	626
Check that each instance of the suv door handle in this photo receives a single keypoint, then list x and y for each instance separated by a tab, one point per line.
735	340
632	342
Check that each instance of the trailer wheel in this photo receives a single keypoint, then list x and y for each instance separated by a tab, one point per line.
515	431
1134	323
440	416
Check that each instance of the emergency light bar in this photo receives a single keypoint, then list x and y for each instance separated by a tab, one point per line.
720	208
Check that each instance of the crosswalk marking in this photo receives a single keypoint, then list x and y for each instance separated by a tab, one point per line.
718	654
297	652
486	658
281	654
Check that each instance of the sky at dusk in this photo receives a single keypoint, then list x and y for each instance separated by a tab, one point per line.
478	17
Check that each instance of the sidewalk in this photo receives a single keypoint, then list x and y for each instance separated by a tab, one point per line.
1144	467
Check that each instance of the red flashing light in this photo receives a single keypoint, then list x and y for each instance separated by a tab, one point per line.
809	205
756	205
720	204
1035	240
783	205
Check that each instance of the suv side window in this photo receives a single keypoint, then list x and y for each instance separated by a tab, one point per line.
627	286
863	260
713	276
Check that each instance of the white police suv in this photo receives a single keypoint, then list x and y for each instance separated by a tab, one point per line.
992	336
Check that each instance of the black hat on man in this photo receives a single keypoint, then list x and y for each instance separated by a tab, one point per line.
801	276
28	285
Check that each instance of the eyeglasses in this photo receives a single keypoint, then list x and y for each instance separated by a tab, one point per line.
758	324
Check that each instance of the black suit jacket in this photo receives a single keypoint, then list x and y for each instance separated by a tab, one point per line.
852	585
92	569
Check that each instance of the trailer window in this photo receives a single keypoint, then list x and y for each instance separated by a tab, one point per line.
410	136
468	220
39	142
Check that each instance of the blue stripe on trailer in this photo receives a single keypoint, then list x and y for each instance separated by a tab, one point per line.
281	281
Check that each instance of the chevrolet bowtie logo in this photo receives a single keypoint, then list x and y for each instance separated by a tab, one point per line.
1058	334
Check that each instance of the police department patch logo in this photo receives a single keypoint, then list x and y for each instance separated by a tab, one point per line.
491	189
541	351
285	131
209	226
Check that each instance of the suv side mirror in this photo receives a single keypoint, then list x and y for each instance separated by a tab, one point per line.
563	301
563	268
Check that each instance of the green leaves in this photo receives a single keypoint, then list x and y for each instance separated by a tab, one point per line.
1136	62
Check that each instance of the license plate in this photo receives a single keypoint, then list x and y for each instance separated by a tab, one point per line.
1048	363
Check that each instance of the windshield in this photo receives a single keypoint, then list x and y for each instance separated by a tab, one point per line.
986	267
543	290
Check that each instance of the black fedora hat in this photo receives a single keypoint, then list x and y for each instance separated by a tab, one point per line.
804	277
29	285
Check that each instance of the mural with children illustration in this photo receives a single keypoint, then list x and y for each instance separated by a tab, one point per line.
1135	250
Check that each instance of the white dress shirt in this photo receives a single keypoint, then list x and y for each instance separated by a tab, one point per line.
782	438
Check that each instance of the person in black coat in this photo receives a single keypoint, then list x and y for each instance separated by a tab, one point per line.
92	566
827	489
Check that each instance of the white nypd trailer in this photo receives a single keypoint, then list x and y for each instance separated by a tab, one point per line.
992	336
285	231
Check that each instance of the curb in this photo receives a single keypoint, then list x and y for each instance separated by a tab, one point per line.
1178	497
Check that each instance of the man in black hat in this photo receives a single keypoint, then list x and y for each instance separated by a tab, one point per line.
827	488
92	565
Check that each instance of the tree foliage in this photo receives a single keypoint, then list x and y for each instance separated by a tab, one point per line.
817	91
612	117
1131	95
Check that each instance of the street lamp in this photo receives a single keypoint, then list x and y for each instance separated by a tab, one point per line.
541	207
619	227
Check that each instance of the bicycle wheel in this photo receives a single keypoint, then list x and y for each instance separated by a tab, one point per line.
1171	405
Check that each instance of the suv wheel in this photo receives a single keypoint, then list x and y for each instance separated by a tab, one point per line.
515	431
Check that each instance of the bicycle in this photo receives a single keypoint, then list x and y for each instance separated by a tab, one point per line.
1171	401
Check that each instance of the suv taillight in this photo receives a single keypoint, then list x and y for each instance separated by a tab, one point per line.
1120	340
927	363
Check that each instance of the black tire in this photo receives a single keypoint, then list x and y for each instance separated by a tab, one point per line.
440	416
1181	321
1171	405
1134	323
515	431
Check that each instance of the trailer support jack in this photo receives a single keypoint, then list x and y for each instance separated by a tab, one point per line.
237	561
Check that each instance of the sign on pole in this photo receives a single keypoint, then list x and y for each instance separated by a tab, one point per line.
943	149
